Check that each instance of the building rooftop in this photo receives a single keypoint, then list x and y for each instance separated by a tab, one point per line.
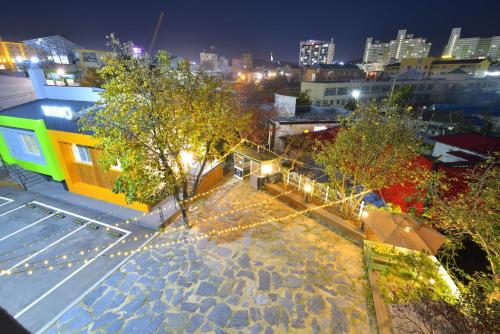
472	142
313	114
335	67
255	153
59	115
457	61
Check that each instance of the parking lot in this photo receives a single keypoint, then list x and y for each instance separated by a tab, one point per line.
53	252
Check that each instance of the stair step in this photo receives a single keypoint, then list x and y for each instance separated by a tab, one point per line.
27	178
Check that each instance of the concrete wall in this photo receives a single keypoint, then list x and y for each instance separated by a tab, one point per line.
15	91
43	91
72	93
12	138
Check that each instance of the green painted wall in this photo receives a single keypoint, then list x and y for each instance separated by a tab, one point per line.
52	167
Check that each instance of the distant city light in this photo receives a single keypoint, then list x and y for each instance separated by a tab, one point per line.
341	63
355	93
259	76
136	50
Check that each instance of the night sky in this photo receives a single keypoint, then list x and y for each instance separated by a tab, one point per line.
256	26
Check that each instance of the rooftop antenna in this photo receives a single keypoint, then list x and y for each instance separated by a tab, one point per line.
153	40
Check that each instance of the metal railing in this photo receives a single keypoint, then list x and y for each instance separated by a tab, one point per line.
13	171
315	189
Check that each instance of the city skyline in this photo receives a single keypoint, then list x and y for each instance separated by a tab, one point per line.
193	26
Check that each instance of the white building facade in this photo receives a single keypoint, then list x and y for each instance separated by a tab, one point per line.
472	47
404	46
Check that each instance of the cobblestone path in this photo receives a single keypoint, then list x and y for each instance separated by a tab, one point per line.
290	277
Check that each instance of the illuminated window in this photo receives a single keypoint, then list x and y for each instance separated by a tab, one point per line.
29	144
81	154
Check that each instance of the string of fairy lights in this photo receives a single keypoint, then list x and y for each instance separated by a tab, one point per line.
29	268
190	199
146	236
51	262
50	236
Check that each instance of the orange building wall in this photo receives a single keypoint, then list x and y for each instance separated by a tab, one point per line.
83	179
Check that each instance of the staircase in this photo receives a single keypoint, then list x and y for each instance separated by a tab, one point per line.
24	177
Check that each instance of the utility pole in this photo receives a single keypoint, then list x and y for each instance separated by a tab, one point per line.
153	40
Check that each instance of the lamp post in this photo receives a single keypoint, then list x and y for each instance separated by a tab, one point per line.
307	191
355	94
364	214
187	159
62	75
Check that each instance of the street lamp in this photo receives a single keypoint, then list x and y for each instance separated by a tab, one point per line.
307	191
355	94
187	158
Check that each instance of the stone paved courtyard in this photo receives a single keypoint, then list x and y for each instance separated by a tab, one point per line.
291	277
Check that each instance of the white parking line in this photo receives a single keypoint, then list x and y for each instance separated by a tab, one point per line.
9	200
22	229
7	212
87	221
82	217
95	285
67	278
41	250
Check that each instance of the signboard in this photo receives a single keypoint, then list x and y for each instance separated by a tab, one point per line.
58	112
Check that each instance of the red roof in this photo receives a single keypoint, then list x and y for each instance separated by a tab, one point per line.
400	194
472	142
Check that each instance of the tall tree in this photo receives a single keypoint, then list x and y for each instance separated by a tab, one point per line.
473	213
254	104
91	78
372	150
161	124
400	97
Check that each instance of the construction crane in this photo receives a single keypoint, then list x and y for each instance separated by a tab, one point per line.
153	40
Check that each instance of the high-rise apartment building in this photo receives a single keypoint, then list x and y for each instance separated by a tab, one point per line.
472	47
209	61
314	52
247	60
404	46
